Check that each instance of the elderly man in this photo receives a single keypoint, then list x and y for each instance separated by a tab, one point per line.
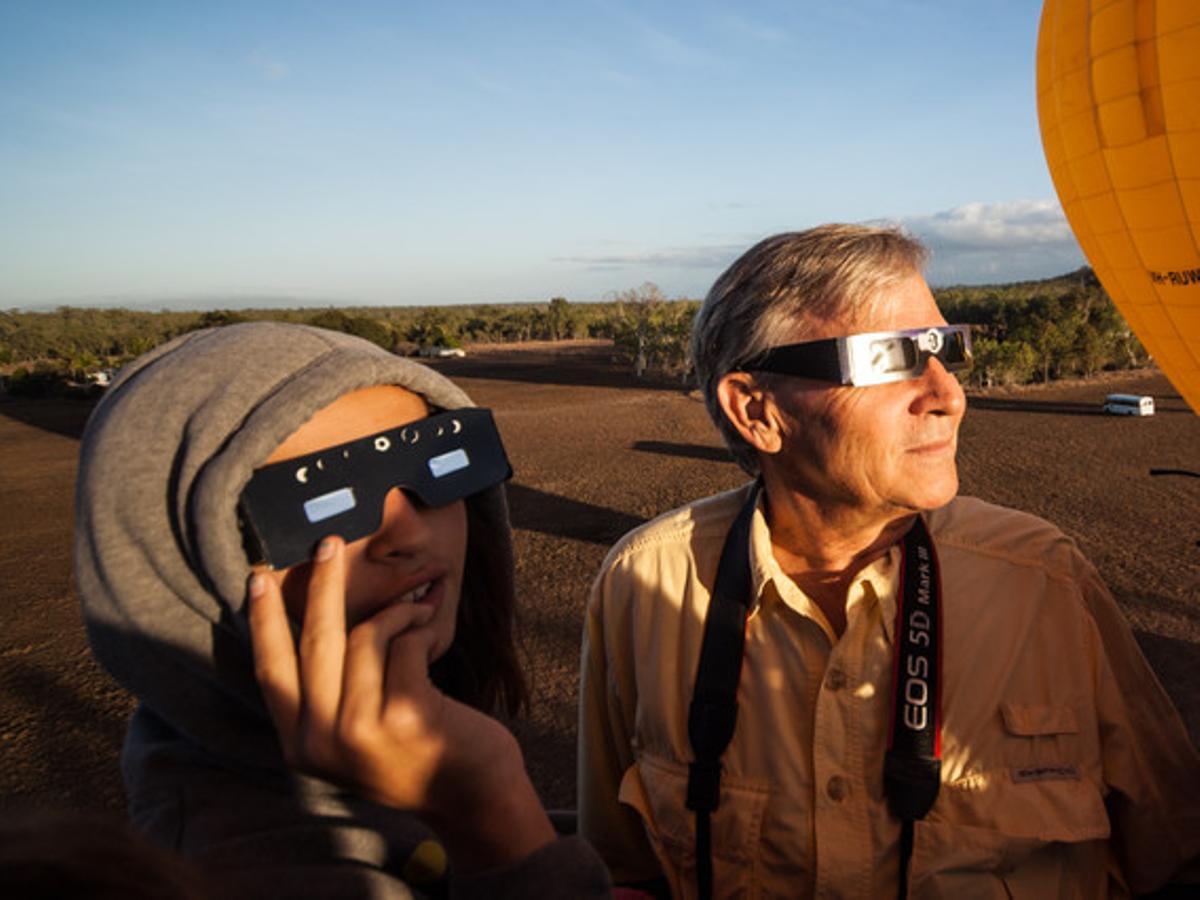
842	681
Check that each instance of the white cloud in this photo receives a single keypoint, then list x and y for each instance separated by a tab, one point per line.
974	243
701	257
1014	223
1008	241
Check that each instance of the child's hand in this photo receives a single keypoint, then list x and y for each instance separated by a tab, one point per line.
359	709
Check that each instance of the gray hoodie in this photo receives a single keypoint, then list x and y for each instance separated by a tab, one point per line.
162	574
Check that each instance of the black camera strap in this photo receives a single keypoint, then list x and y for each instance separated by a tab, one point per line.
713	711
912	767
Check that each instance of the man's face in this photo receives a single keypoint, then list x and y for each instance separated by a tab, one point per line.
886	449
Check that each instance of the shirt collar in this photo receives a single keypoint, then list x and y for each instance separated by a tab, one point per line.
883	578
878	581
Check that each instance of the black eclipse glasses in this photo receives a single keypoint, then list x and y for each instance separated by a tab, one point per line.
877	357
287	507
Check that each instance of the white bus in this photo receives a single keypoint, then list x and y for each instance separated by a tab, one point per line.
1129	405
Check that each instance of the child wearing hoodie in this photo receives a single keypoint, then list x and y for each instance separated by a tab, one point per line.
313	722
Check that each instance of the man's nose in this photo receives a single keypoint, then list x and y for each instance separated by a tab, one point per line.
941	393
402	529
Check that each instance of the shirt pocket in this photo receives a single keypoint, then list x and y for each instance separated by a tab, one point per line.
1041	736
657	789
1038	719
1043	839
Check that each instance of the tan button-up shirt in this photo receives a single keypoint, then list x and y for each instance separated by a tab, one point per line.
1065	770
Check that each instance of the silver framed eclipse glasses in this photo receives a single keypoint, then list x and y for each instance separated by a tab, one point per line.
878	357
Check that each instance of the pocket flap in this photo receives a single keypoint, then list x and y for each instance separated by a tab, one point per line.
657	789
1032	720
633	793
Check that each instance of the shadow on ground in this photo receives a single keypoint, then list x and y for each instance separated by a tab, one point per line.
1021	404
1177	664
534	510
549	741
77	744
65	416
587	366
687	451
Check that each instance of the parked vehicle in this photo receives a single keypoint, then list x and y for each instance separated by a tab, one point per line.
1129	405
103	378
442	352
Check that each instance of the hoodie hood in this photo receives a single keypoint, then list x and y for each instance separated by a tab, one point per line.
159	561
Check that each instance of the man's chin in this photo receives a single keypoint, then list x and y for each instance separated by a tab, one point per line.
934	495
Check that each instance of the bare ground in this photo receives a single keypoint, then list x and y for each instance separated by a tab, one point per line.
596	453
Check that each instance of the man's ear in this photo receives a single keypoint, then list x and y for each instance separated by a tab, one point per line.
748	405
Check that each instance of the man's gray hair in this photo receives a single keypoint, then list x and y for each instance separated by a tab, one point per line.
780	287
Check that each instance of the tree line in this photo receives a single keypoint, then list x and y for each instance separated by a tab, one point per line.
1024	332
1042	330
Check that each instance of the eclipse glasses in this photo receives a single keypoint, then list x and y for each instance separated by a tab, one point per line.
287	507
878	357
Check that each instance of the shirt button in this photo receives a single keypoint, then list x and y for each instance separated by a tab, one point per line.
835	679
837	788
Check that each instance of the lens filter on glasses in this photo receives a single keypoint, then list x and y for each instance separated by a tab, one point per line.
899	355
873	358
287	507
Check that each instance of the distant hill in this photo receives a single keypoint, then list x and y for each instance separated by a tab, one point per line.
1082	279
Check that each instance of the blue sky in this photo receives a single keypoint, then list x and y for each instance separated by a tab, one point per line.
236	153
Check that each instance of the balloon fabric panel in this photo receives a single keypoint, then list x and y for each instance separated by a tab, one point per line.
1119	105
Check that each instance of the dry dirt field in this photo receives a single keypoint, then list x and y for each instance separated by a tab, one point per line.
596	453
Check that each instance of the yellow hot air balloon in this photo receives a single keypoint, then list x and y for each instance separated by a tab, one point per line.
1119	104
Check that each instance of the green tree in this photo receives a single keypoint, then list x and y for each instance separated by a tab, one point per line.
1002	362
371	329
653	333
216	317
518	324
1049	327
433	329
637	315
560	319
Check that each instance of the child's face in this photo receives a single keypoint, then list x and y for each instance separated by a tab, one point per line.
417	548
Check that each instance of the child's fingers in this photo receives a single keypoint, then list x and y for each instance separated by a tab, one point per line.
408	661
275	664
323	637
367	655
